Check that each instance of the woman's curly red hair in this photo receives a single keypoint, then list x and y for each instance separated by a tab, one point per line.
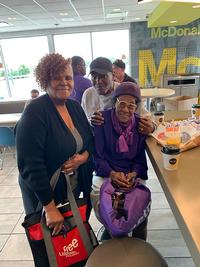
49	67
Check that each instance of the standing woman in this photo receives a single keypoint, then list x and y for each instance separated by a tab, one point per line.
52	132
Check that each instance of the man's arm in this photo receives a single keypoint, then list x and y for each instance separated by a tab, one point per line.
97	118
86	105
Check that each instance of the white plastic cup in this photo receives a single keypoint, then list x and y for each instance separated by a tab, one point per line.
171	155
158	117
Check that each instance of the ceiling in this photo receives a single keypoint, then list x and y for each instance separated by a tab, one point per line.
174	14
24	15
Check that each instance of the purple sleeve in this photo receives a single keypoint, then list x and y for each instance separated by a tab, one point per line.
102	168
140	166
89	83
86	84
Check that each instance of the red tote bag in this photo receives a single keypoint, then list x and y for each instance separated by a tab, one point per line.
72	246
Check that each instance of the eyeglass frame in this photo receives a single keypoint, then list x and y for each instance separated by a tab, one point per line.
127	104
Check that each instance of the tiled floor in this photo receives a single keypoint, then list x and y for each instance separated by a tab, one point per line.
163	232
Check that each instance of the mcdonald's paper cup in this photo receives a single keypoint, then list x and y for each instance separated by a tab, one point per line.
195	110
171	155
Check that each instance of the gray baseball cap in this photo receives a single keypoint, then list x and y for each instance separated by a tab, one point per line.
101	65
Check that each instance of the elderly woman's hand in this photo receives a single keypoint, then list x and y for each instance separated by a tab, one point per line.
97	118
146	125
74	162
120	179
54	219
131	178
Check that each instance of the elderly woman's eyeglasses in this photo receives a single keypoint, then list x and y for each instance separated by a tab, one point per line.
124	104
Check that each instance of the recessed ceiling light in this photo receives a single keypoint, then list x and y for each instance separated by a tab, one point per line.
173	21
67	19
117	9
137	18
3	24
63	14
117	15
11	18
197	6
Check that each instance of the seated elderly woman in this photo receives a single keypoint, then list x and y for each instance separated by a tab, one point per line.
120	148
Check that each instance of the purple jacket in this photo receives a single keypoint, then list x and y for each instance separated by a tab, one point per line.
80	85
107	159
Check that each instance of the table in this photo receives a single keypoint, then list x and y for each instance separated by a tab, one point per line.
149	93
182	190
9	120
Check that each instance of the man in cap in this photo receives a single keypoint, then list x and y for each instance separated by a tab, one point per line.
119	74
99	96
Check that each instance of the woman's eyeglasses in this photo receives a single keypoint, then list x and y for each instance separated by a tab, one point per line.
124	104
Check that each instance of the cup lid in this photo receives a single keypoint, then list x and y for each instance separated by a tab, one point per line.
196	106
158	113
171	150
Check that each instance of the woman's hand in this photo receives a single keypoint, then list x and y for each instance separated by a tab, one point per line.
74	162
54	219
119	179
146	125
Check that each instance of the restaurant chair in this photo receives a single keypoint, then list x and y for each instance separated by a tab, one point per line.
126	252
7	140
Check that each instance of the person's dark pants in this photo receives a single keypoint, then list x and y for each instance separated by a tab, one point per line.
89	208
141	231
39	252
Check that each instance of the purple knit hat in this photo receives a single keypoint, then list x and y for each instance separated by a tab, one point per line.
127	88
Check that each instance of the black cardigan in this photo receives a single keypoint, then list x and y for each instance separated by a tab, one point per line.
44	143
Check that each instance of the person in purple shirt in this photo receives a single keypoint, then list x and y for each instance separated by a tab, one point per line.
80	82
119	147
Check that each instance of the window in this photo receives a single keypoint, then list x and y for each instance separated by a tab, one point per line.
112	44
77	44
3	89
21	56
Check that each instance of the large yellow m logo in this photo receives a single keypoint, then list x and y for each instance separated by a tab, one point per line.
146	62
167	65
